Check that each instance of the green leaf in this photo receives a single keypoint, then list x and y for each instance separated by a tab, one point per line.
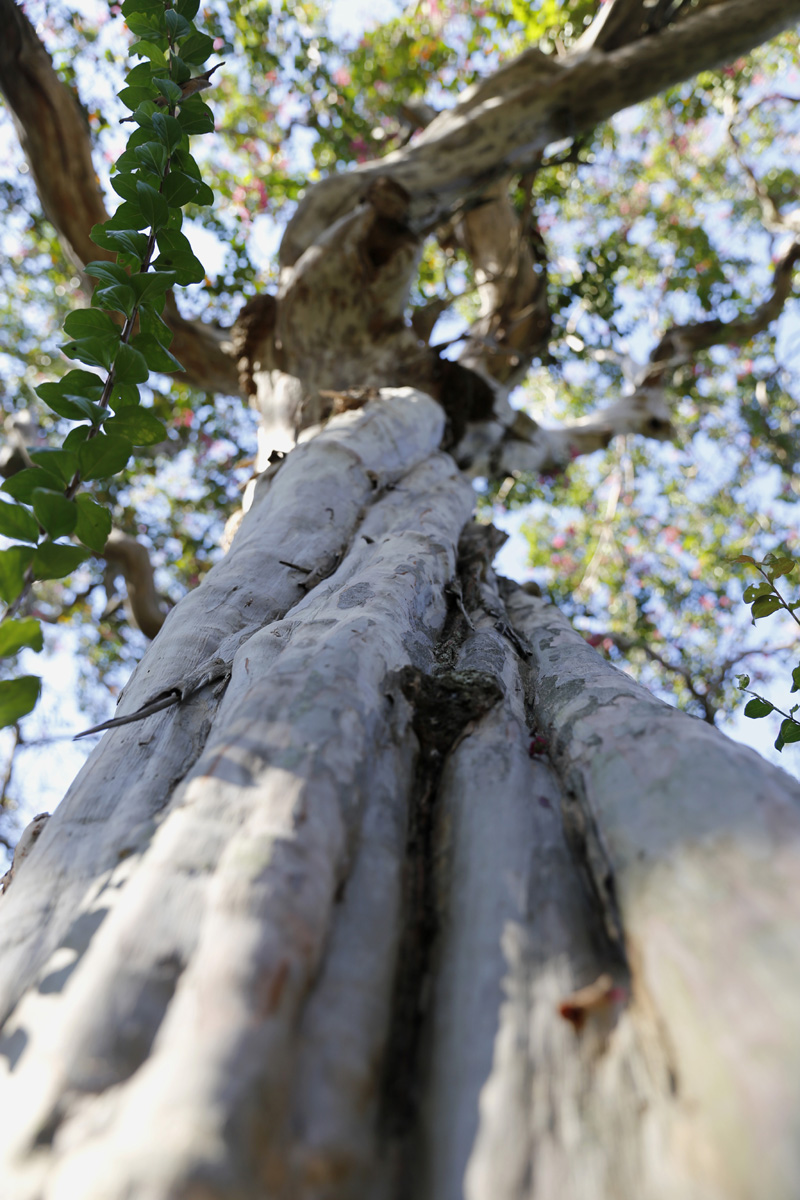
76	437
178	69
196	117
128	215
204	195
149	32
151	323
179	189
117	298
103	456
743	558
14	562
132	97
139	425
754	590
124	184
153	205
779	567
153	285
19	524
94	523
54	562
197	48
142	73
182	159
758	708
95	352
17	698
176	254
188	8
90	322
790	730
61	464
168	131
153	156
129	241
796	679
169	89
177	26
55	513
743	681
764	606
75	383
156	357
130	366
15	635
151	8
124	395
108	272
74	408
22	485
148	47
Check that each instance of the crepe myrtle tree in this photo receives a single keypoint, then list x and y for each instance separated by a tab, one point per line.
385	883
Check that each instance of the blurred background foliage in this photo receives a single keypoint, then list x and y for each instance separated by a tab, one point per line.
675	211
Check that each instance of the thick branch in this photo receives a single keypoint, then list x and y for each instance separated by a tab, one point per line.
514	321
681	342
54	137
131	557
502	123
452	172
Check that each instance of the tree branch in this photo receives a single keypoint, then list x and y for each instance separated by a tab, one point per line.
454	171
681	342
144	603
773	219
504	122
55	140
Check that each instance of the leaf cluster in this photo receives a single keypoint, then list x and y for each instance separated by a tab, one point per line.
764	598
121	337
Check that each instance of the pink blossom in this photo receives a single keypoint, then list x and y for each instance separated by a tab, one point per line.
360	149
342	77
263	194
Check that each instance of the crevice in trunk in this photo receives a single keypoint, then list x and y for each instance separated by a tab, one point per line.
445	707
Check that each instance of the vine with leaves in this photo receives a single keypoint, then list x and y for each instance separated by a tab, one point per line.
764	599
52	521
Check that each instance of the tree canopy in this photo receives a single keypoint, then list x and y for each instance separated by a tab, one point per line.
650	309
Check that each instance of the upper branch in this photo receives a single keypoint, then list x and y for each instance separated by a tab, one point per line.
53	136
681	342
55	139
501	124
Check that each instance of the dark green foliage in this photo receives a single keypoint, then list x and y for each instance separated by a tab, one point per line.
45	504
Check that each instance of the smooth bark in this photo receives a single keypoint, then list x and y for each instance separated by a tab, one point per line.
316	943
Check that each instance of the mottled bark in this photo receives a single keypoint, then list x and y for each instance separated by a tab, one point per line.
317	936
323	930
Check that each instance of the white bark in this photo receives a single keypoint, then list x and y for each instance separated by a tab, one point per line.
313	939
287	961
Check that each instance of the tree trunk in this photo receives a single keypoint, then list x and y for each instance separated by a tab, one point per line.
319	936
410	895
